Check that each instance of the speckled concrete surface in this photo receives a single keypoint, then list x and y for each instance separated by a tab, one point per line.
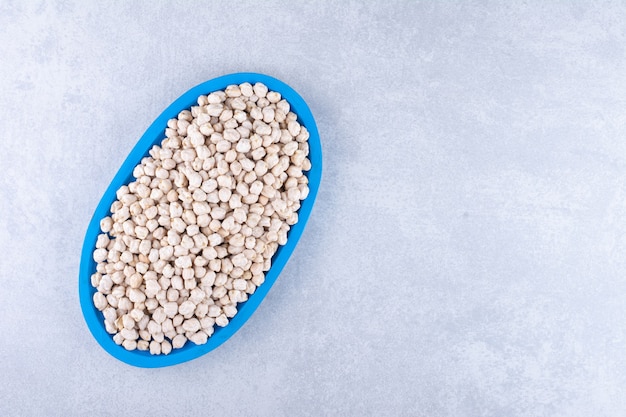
467	253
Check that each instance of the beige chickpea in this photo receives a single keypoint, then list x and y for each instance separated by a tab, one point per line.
193	233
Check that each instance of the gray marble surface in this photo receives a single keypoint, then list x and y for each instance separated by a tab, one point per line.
467	252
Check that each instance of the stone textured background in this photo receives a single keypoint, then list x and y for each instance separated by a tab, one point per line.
467	252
